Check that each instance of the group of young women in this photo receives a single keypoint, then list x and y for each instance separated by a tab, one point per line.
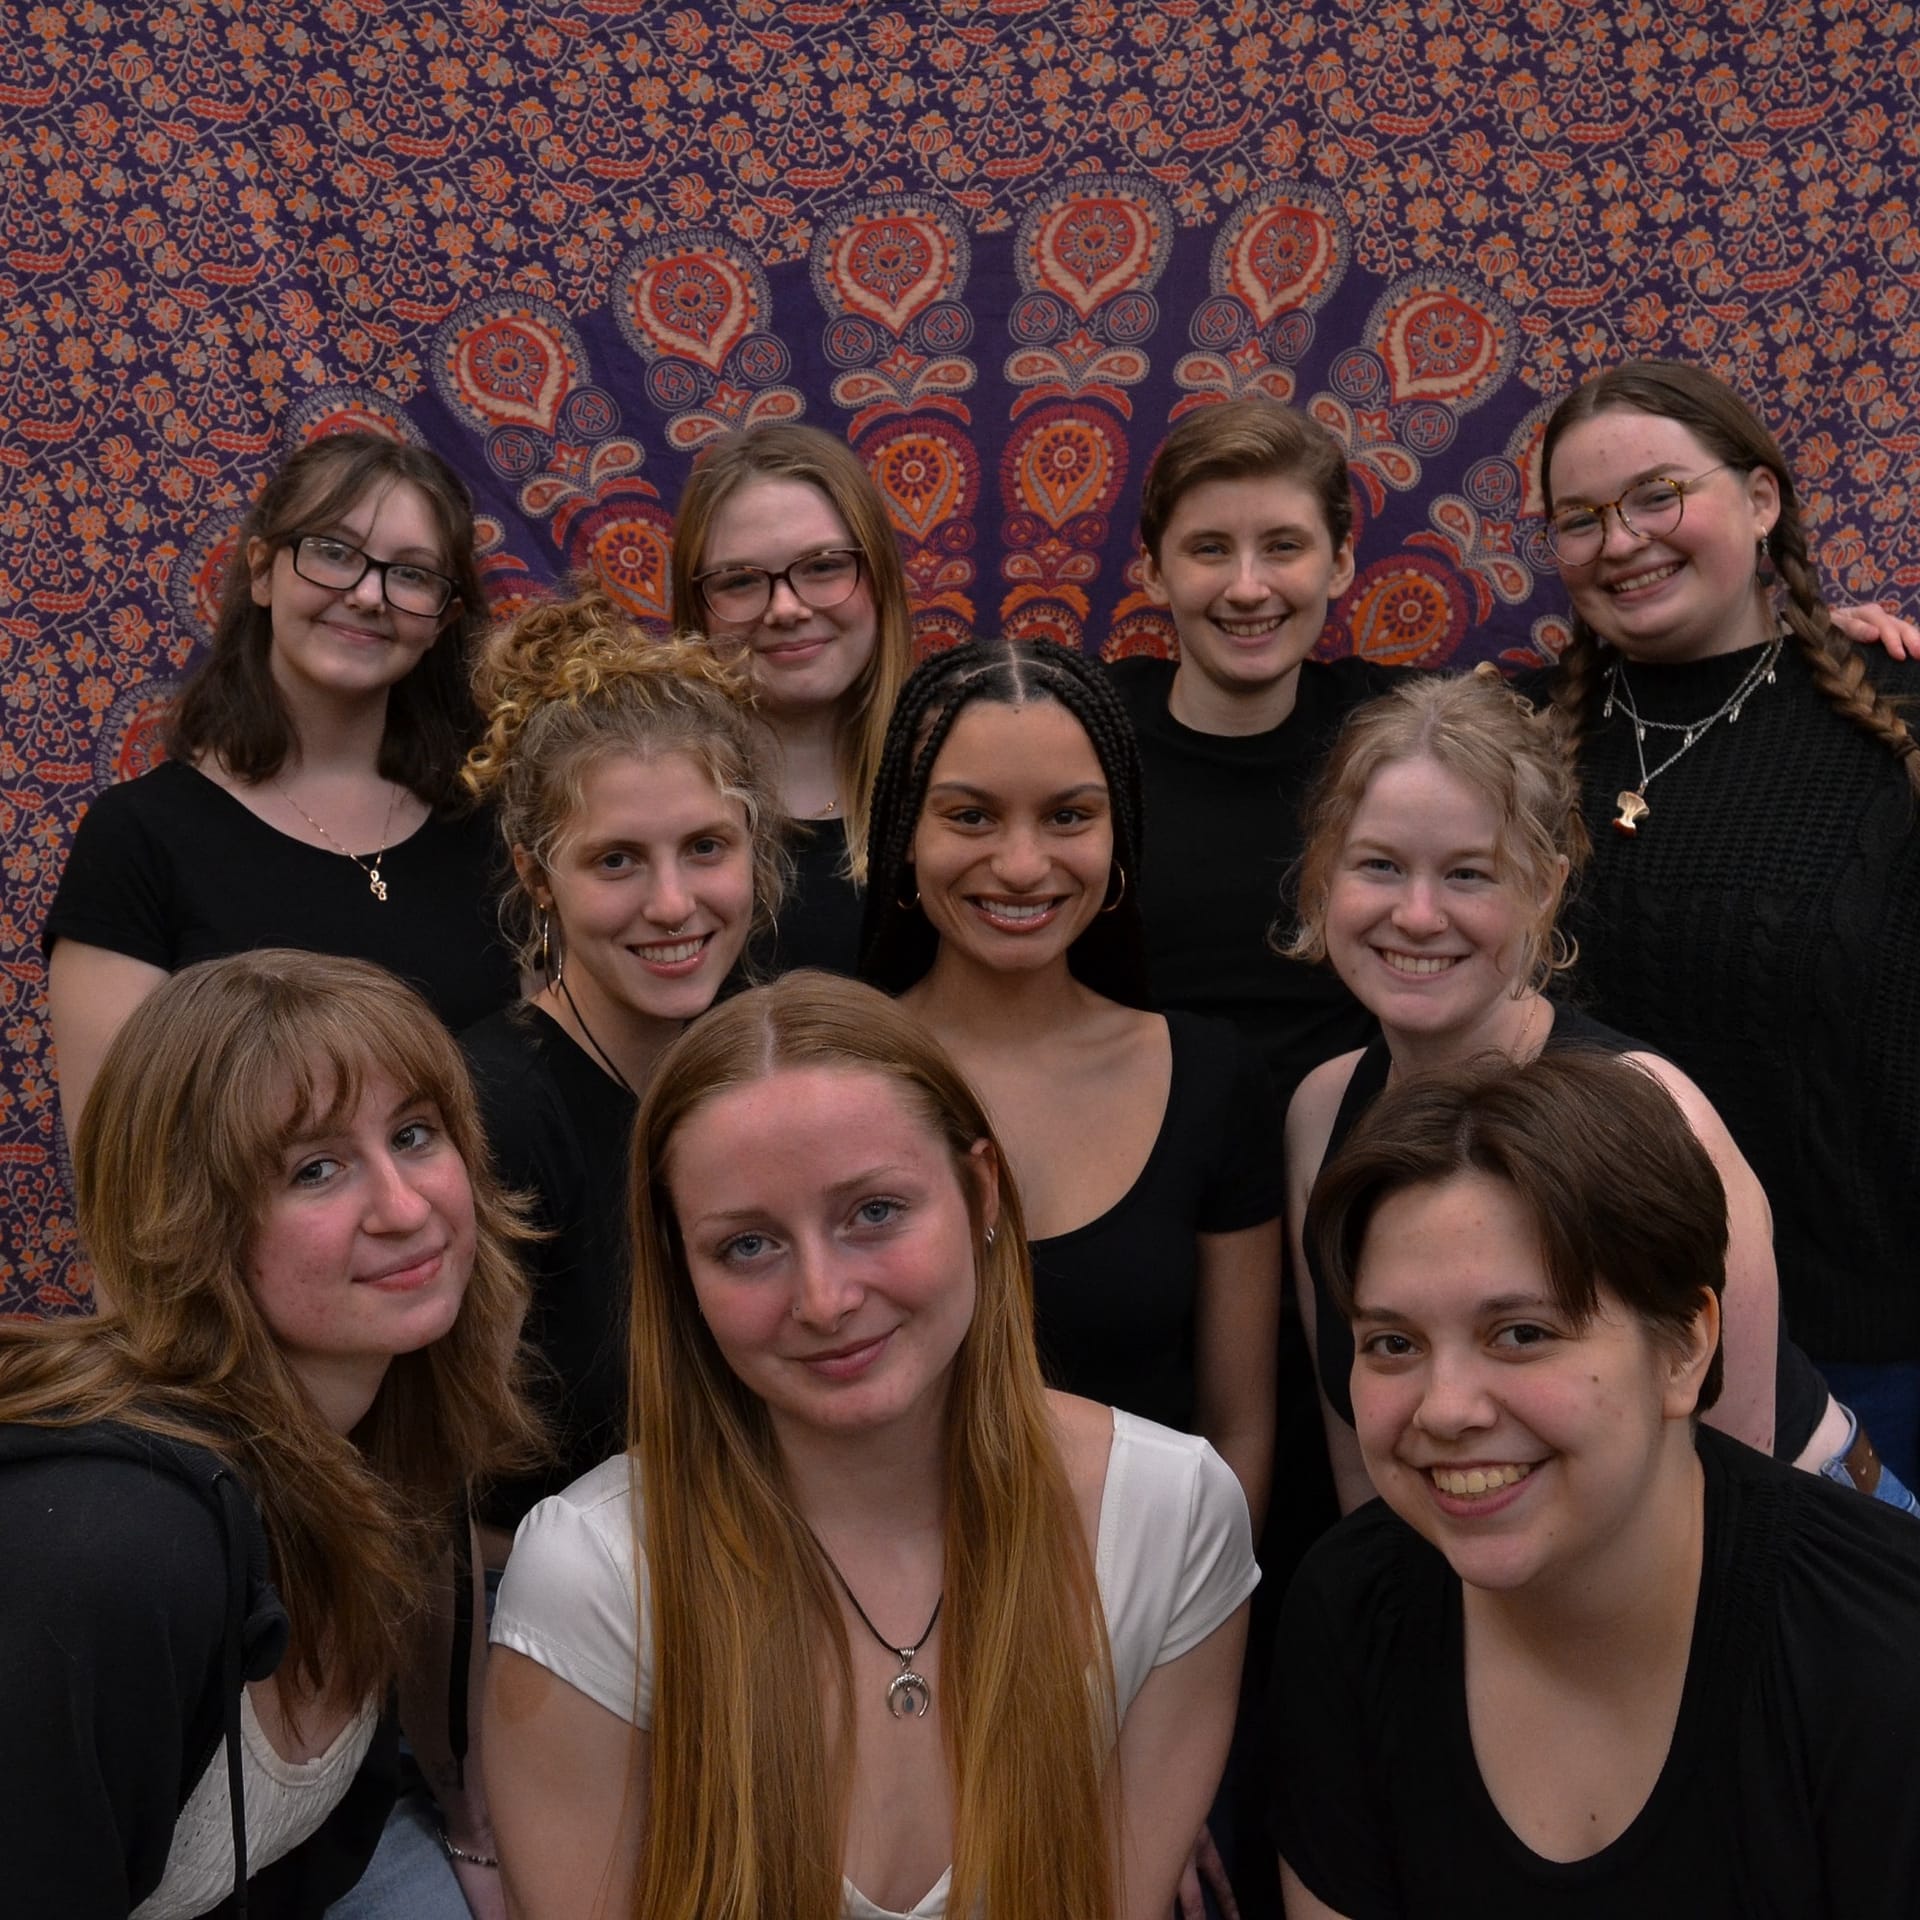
855	1403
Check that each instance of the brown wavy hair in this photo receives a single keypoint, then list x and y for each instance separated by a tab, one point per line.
231	708
183	1135
1483	733
569	683
751	1766
1723	423
823	461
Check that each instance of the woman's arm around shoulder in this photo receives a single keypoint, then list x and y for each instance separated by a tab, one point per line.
1750	1304
1310	1118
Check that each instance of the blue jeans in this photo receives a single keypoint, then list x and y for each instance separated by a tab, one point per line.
1891	1490
1887	1400
408	1877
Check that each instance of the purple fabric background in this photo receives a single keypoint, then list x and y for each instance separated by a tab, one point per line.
996	244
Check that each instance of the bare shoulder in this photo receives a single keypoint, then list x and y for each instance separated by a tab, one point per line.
1311	1112
1687	1096
1084	1431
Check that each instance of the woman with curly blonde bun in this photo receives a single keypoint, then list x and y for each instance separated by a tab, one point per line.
637	797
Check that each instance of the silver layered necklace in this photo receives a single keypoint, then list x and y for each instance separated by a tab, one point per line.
1632	801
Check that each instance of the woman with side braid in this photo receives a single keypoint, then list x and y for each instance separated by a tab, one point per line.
1753	906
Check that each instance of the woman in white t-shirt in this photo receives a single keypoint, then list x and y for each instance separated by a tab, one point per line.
868	1623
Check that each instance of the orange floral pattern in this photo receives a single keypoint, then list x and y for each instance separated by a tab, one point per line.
999	243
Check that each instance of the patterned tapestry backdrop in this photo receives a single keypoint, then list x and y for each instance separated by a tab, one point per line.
999	244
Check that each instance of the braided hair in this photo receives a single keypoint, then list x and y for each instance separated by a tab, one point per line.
1721	421
897	941
568	683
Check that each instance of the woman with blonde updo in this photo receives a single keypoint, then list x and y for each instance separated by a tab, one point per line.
636	795
1442	837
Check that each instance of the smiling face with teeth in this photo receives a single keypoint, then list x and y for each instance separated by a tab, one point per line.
651	883
1523	1442
1013	856
1691	592
1247	567
1423	920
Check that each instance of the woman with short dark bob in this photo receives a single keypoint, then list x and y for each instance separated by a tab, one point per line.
308	798
869	1624
1585	1656
230	1504
1005	914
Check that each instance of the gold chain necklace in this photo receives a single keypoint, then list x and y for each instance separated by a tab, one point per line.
375	885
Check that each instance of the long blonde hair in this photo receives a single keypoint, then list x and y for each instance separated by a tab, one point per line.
570	683
201	1092
791	452
751	1767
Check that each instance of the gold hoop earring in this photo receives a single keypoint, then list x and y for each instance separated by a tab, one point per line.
553	962
907	906
1112	906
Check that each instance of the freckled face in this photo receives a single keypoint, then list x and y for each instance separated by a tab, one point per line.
829	1244
366	1238
1521	1443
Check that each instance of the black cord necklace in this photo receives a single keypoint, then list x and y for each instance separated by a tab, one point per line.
566	993
908	1692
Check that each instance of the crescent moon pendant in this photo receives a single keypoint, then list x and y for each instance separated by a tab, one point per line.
909	1694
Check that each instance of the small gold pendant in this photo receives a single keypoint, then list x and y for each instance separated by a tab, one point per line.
378	885
1633	809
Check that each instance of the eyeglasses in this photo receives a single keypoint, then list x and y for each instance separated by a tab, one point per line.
323	561
820	580
1648	510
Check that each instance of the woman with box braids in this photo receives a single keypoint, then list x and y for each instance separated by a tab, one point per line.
1002	911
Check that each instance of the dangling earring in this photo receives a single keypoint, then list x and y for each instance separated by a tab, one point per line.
991	1235
1763	569
553	962
1113	904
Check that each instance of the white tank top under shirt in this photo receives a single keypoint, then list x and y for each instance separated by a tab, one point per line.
1173	1558
286	1802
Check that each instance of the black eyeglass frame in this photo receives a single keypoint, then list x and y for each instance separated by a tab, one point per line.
770	579
367	562
1618	508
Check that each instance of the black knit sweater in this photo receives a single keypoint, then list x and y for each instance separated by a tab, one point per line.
1762	929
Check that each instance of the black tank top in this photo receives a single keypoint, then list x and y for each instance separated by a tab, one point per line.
1800	1394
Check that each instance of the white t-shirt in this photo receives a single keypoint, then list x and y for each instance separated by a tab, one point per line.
1174	1558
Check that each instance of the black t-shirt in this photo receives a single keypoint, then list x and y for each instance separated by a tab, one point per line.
1114	1300
820	917
561	1129
1223	837
1790	1790
171	868
1799	1392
